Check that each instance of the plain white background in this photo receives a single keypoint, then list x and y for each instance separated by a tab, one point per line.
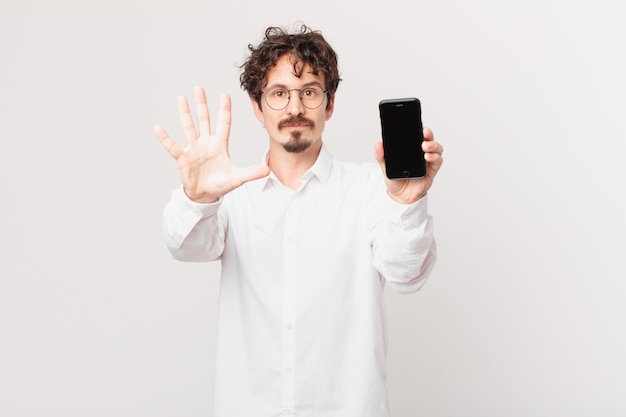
524	314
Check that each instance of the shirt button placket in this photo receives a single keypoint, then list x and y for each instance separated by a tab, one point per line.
289	306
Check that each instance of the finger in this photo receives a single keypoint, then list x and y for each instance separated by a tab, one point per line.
224	118
432	147
168	143
428	134
254	172
186	120
202	111
434	160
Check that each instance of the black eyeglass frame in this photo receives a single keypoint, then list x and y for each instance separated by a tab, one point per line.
299	90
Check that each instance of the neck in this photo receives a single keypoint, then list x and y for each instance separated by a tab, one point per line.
290	167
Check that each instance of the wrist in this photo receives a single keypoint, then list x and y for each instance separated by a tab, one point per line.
402	199
201	199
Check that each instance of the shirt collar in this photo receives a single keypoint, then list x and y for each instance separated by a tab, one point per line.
320	169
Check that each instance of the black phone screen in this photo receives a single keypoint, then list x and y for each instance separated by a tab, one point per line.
402	135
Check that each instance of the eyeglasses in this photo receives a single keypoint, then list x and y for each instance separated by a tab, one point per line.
311	97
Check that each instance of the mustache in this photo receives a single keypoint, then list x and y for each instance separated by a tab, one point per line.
296	120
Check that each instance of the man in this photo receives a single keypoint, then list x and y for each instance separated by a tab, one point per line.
307	242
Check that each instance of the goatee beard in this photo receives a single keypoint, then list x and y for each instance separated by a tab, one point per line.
296	144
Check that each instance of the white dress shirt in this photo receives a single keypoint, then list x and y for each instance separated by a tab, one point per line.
302	322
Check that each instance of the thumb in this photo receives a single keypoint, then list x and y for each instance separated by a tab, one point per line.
254	172
379	154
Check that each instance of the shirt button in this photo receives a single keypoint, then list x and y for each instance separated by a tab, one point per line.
288	326
288	412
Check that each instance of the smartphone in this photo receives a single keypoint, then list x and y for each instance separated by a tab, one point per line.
402	135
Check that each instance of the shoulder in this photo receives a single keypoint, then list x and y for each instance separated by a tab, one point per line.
348	167
364	174
352	168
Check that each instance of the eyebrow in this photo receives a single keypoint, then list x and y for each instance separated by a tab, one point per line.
309	84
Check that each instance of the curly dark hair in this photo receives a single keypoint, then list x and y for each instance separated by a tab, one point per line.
307	46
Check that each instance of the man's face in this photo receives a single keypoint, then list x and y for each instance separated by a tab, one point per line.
294	128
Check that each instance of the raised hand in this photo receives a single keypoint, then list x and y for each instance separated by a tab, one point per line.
410	190
206	170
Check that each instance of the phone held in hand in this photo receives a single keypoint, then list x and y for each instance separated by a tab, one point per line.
402	135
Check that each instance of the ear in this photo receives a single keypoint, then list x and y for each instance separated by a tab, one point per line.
257	111
330	108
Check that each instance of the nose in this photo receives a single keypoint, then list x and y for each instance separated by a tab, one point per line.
295	106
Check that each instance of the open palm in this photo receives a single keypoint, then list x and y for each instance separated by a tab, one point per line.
206	170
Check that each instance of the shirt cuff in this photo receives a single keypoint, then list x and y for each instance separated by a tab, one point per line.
414	212
206	210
